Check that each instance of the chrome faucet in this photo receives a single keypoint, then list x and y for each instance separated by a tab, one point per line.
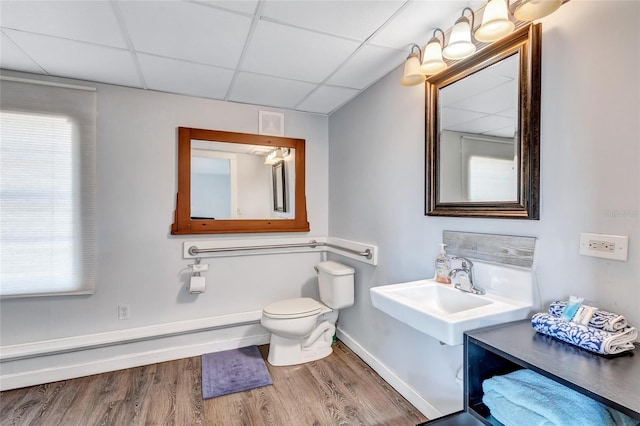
466	267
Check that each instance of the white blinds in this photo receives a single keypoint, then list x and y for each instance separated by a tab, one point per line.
47	189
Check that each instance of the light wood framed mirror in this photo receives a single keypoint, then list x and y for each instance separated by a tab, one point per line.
483	132
225	183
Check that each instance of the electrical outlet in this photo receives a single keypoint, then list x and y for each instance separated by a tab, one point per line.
124	312
613	247
601	246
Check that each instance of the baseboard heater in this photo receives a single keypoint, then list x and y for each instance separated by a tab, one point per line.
100	340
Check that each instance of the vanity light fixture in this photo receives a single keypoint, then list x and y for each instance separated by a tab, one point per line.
460	45
412	75
495	22
530	10
432	61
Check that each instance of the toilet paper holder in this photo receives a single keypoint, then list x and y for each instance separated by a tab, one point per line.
197	282
198	267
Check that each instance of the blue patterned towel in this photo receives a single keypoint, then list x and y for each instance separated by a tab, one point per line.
601	319
525	397
589	338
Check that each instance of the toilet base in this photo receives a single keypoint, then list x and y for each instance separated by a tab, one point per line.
284	351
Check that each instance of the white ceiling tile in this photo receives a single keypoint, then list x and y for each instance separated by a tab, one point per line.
244	6
416	22
496	99
470	86
171	75
326	99
13	58
450	117
511	112
90	21
507	68
288	52
487	124
187	31
192	47
271	91
354	19
73	59
367	66
505	132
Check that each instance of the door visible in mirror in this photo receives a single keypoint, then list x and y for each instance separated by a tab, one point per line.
211	186
279	187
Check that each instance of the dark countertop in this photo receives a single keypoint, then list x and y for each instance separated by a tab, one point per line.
614	381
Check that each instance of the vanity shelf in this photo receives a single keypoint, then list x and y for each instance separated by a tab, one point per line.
504	348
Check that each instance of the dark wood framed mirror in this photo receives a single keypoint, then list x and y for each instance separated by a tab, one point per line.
483	132
225	183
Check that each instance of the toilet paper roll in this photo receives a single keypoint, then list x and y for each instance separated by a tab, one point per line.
196	285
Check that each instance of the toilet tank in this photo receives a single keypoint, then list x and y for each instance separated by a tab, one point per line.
335	282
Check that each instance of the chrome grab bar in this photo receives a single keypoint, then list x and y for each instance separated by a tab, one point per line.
193	250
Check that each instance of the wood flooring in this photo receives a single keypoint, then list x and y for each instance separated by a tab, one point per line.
338	390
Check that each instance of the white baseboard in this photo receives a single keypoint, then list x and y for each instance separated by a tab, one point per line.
66	372
401	387
89	341
62	359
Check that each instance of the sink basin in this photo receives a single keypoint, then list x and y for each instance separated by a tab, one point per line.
445	313
438	298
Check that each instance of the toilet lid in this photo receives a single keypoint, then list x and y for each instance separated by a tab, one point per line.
293	308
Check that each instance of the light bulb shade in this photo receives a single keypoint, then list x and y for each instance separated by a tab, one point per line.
495	22
460	45
412	75
275	156
432	62
530	10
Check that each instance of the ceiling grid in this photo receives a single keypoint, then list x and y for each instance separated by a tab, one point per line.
310	56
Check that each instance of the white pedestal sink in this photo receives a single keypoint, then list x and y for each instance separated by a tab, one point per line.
445	313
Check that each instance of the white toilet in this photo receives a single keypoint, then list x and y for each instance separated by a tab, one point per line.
302	329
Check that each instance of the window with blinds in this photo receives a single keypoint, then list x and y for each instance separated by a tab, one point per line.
492	178
47	189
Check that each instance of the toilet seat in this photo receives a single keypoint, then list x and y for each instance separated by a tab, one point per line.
293	308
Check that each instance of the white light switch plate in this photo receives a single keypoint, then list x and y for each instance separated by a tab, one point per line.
615	247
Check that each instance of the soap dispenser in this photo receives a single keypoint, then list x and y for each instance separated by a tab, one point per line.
442	266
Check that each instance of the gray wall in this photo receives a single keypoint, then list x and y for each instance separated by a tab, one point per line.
138	262
590	183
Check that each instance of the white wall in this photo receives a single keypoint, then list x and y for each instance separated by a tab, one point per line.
254	187
590	120
138	262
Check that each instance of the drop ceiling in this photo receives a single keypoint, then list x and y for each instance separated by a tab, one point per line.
311	56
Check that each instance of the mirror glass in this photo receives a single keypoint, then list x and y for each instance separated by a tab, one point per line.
238	182
478	127
482	133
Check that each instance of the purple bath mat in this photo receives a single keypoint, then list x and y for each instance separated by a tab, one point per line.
233	371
